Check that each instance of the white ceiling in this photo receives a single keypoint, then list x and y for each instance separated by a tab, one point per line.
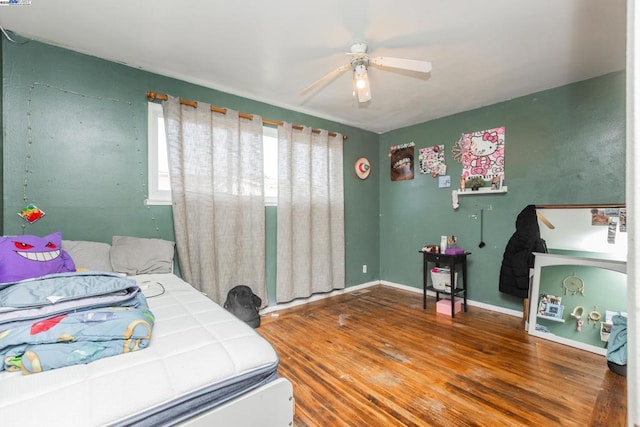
482	52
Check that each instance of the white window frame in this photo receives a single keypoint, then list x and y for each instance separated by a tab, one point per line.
270	155
157	196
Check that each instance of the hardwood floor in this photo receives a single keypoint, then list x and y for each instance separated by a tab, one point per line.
378	359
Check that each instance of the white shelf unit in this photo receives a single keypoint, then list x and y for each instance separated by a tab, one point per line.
481	190
555	319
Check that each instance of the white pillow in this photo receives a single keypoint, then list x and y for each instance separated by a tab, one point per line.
136	255
88	255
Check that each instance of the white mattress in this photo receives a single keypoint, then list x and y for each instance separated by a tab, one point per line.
195	343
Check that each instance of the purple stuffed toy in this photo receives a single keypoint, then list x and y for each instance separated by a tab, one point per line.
25	257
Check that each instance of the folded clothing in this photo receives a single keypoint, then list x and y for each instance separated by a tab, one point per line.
71	318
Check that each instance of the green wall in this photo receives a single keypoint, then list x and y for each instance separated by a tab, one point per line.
75	130
83	159
563	146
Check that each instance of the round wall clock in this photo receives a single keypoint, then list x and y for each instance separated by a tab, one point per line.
362	168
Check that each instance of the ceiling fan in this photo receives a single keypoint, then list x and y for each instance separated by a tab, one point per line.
359	63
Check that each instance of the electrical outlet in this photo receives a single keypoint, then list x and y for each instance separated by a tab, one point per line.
364	268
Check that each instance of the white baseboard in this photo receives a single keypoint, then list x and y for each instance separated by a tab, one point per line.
316	297
472	303
301	301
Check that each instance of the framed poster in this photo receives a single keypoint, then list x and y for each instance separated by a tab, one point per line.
482	154
401	160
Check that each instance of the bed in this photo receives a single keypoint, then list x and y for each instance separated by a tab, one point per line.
202	366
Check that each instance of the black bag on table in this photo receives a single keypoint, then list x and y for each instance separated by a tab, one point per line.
244	304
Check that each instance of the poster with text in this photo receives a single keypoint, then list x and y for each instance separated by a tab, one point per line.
401	159
483	154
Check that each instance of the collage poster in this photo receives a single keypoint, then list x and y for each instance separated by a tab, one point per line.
432	160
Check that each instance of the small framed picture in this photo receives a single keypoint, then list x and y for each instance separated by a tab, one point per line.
553	310
31	213
444	181
550	306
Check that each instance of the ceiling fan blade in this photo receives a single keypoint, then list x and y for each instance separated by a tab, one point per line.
327	78
403	64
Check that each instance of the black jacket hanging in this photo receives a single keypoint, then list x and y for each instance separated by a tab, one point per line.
518	255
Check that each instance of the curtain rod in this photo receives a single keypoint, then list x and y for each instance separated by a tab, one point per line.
163	97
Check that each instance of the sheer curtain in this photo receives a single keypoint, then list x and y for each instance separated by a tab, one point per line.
310	234
217	190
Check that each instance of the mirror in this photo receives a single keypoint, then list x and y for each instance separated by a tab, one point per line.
596	231
581	282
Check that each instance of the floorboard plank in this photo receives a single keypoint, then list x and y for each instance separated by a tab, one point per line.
378	359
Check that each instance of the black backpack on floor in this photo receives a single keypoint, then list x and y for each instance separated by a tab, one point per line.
244	304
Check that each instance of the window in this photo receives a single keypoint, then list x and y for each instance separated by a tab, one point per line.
270	155
159	183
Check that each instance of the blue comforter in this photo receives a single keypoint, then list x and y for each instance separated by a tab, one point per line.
70	318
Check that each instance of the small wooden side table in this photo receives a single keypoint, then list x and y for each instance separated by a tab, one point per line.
451	262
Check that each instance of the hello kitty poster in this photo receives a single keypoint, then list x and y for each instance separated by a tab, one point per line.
482	153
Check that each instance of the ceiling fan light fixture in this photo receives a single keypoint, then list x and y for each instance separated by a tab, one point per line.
361	83
359	63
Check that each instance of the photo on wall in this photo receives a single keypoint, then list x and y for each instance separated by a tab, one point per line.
402	159
432	161
623	220
31	213
599	217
